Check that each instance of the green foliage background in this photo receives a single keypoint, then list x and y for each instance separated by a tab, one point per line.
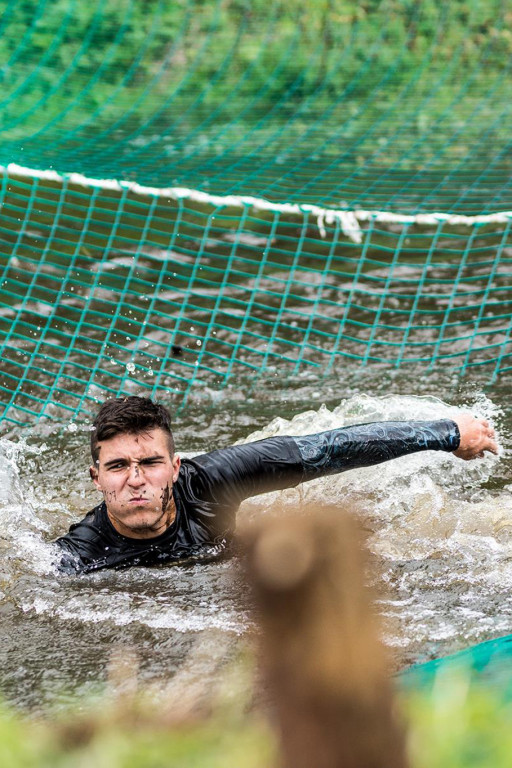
150	79
457	723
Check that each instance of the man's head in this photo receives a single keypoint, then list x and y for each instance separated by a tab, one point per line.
134	465
130	416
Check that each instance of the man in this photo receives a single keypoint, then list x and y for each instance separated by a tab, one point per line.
158	509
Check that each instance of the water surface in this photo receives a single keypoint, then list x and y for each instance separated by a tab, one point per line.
440	530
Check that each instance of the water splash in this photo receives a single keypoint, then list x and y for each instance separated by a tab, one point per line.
22	524
443	541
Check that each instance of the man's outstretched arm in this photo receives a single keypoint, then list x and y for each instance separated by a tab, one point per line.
275	463
363	445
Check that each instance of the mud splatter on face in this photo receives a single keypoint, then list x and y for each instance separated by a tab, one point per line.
168	505
166	495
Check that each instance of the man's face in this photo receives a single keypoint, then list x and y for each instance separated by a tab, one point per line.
135	473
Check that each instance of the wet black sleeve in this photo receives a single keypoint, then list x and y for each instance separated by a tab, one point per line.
276	463
232	474
366	444
82	545
70	558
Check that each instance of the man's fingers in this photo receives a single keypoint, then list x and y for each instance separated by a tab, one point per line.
493	447
477	436
488	443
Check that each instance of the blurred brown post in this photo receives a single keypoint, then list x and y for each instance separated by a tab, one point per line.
321	658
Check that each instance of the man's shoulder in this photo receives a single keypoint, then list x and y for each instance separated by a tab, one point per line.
238	471
279	448
92	526
85	542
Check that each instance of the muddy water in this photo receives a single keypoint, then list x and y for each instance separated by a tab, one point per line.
440	530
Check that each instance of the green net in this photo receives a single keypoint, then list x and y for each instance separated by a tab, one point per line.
487	664
206	192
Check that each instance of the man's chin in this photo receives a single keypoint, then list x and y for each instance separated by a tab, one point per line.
144	525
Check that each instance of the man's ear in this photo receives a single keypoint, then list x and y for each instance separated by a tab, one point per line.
94	477
176	463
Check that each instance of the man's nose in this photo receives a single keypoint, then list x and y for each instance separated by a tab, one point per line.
135	476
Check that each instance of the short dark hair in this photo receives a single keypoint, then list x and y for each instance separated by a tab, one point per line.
129	415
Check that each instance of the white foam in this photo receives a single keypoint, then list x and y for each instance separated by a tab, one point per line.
347	219
97	605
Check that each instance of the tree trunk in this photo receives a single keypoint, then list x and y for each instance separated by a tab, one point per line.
321	658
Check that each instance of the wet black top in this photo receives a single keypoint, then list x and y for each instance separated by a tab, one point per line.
211	487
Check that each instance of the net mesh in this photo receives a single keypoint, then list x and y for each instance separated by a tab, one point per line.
486	664
198	194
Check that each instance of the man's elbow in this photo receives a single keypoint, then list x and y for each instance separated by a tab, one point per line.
68	563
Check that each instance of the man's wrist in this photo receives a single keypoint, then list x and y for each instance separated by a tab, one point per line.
454	436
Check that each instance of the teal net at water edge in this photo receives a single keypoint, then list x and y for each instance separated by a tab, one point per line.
487	664
217	192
